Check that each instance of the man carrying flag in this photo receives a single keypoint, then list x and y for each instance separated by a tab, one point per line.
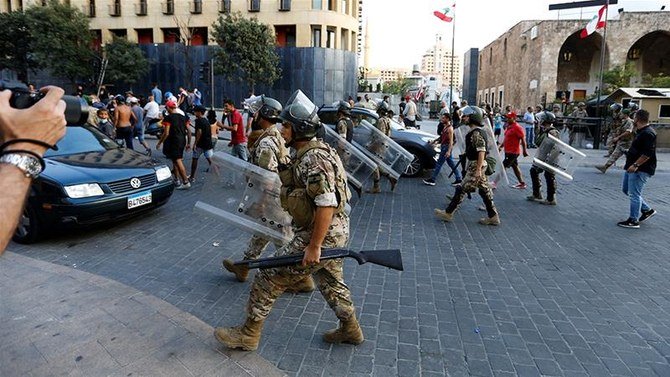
597	22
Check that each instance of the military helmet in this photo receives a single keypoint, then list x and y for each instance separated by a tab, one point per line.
343	107
383	108
270	109
581	104
301	114
546	117
633	106
615	107
625	111
475	115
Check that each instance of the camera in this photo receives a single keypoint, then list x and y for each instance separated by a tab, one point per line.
76	109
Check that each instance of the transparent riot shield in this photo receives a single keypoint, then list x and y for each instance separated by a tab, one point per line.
459	140
389	156
492	149
358	166
245	196
558	157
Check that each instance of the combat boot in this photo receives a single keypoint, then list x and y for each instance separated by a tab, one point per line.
245	337
306	285
241	272
495	220
443	215
602	168
393	183
375	188
348	331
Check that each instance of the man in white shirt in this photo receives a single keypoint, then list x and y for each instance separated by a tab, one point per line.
409	114
151	111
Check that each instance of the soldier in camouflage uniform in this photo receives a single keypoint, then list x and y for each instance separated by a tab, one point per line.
383	125
475	177
622	141
613	128
345	126
580	112
315	193
547	120
267	152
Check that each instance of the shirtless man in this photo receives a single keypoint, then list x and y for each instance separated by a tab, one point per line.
122	116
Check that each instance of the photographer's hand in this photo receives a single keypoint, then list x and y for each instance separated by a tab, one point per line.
43	122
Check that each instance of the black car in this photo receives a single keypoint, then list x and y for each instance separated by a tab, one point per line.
90	179
414	141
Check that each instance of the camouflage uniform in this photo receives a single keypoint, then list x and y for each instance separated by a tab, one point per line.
383	125
315	179
345	127
475	143
549	176
613	131
267	152
623	144
577	128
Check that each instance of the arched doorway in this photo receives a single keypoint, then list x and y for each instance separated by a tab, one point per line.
579	66
650	55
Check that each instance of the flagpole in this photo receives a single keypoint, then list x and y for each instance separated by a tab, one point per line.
451	78
596	141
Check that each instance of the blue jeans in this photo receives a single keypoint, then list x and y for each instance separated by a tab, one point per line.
530	135
450	161
240	151
633	184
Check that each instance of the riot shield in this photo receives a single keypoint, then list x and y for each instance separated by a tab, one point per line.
459	140
558	157
389	156
358	166
492	149
245	196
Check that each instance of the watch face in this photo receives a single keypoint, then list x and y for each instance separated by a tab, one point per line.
34	167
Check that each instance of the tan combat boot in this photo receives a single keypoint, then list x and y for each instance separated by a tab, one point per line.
245	337
306	285
495	220
393	182
443	215
348	332
241	272
375	188
602	168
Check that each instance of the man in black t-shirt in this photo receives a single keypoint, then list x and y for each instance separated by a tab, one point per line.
203	140
175	138
640	165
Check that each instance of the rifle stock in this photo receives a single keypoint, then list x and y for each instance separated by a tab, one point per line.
387	258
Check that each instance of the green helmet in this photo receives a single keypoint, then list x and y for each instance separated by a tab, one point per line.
301	114
475	115
383	108
546	117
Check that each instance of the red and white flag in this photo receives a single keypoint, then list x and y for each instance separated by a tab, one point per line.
446	14
597	22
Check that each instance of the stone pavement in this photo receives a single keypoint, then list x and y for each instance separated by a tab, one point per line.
59	321
556	291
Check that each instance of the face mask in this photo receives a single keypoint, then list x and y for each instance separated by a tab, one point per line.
104	120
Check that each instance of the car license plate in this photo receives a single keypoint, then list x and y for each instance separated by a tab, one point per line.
139	199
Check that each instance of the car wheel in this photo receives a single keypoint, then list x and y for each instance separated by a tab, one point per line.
415	168
29	228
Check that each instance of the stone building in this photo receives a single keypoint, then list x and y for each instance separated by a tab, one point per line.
548	58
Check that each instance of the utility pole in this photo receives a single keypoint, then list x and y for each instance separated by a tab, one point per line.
211	81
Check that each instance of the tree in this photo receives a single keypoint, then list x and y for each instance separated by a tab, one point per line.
15	44
247	50
618	77
660	81
61	40
186	32
125	61
397	87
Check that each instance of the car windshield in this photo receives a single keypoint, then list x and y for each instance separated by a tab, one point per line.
82	139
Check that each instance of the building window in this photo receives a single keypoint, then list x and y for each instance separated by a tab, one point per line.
345	6
664	111
344	41
285	35
330	38
168	7
115	8
490	55
141	8
316	36
332	4
254	5
500	98
317	4
171	35
119	33
284	5
224	6
505	47
89	9
196	6
145	36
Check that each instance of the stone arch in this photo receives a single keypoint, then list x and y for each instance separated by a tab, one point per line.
650	55
579	64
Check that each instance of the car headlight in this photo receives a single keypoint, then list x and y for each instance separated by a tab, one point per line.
163	173
427	139
85	190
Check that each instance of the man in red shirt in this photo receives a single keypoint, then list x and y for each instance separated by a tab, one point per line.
238	135
514	144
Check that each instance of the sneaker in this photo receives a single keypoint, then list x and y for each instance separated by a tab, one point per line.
602	168
520	186
148	152
184	187
443	215
534	198
457	182
429	182
646	215
630	223
549	202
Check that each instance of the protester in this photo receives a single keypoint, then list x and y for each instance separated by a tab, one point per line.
236	128
214	125
138	123
203	140
104	124
640	166
409	113
446	140
529	126
175	138
41	125
514	144
152	112
123	119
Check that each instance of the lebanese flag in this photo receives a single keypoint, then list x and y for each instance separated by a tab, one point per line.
446	14
597	22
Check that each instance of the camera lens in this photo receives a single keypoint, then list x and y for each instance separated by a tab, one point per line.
76	110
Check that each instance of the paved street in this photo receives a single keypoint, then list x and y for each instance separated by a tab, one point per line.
556	291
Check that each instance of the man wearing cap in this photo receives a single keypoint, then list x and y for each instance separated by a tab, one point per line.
138	122
514	144
203	140
409	113
175	138
123	121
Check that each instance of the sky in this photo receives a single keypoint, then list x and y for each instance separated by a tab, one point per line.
402	30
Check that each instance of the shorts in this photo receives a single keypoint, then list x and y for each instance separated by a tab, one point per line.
174	151
511	159
197	152
139	132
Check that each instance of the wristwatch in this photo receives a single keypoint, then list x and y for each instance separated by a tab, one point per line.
29	165
636	164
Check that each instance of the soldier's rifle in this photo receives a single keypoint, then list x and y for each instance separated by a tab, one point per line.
387	258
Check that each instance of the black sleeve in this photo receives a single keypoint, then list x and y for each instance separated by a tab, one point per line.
647	144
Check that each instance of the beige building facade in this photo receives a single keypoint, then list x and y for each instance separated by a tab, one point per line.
297	23
438	61
548	58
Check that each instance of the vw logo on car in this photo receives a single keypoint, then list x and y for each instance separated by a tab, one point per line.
135	183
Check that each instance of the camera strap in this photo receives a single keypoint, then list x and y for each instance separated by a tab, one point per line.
29	141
